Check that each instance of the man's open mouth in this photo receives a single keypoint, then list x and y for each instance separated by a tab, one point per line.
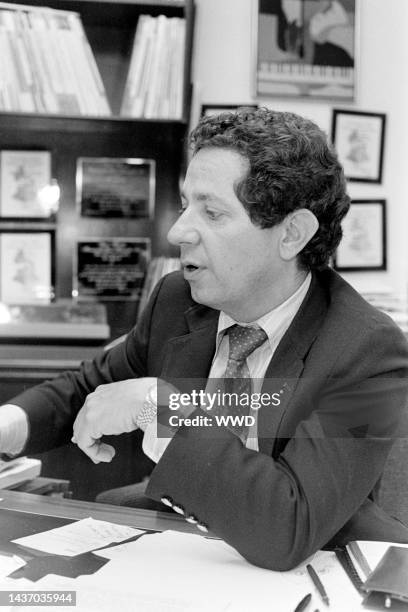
190	267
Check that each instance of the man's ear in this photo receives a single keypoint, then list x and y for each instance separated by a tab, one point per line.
299	227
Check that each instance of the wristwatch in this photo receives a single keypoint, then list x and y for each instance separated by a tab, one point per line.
149	409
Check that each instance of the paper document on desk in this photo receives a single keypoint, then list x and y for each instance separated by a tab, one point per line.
78	537
178	572
201	569
10	564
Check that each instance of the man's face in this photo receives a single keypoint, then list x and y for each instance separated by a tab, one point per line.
230	263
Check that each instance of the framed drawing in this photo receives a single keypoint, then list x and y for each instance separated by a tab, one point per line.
110	268
25	177
364	244
305	48
359	140
115	187
27	273
216	109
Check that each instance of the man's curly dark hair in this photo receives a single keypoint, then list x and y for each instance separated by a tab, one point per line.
291	166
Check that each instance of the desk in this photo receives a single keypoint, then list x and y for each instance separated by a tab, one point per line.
210	580
38	505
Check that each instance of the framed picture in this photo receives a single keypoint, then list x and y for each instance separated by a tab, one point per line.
27	273
305	49
359	140
216	109
115	187
110	268
364	245
24	179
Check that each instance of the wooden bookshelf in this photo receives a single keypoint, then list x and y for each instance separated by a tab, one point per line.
110	27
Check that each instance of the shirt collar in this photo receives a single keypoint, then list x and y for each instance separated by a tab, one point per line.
274	320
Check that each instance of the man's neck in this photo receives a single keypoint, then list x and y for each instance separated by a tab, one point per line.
277	298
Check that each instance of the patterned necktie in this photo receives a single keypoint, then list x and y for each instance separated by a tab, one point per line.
237	379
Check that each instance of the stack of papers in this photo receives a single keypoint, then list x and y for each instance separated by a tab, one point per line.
78	537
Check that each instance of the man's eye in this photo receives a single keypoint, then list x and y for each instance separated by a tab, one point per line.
212	214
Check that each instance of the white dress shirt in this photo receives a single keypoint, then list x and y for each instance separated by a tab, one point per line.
274	323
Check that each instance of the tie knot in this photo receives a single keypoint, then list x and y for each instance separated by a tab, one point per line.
244	340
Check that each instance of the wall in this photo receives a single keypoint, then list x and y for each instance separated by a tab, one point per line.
223	69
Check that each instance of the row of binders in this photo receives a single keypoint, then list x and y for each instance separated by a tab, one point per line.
154	85
47	66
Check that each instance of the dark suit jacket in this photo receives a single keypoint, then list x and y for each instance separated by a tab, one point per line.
343	368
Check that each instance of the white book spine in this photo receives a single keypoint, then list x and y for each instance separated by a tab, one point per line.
10	76
30	36
135	65
152	94
6	102
44	51
179	70
90	76
140	102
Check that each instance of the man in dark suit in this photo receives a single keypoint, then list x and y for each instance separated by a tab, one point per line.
315	377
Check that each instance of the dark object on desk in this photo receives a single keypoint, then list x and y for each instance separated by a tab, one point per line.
387	586
71	567
318	583
302	605
348	566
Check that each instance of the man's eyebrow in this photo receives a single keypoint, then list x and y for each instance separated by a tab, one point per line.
201	196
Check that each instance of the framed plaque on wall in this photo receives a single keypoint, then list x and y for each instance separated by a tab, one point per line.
110	268
115	187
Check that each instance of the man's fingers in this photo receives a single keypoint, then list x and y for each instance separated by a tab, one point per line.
105	453
97	451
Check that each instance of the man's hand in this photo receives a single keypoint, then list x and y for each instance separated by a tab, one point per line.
110	410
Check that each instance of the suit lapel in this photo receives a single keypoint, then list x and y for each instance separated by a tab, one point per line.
287	363
188	358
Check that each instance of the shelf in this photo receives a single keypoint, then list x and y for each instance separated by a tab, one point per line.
65	123
110	27
116	13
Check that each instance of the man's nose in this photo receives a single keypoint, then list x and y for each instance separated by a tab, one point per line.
183	231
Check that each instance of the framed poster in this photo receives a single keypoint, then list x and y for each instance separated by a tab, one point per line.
110	268
359	140
27	273
115	187
305	48
363	246
25	177
216	109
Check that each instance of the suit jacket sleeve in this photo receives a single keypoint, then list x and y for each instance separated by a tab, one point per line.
276	512
51	407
